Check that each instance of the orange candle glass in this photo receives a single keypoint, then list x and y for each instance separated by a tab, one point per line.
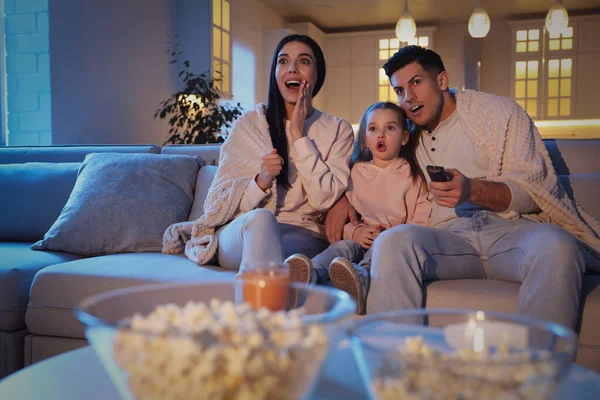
265	286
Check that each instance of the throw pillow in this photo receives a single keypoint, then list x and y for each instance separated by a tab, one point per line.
123	203
32	196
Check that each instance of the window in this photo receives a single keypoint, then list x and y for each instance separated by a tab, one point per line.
221	46
387	48
543	71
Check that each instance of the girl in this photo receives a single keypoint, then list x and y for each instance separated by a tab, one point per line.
281	168
387	188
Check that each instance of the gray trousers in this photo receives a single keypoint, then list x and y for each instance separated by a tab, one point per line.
545	258
256	237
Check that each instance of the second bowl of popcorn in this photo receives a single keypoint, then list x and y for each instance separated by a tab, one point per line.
460	354
203	341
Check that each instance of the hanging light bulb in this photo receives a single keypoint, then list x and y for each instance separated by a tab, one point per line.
557	19
479	23
406	28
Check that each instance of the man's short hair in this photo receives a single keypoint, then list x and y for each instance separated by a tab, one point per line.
428	59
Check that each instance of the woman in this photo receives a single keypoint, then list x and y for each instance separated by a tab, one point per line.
281	168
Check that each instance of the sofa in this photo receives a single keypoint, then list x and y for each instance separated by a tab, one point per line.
41	289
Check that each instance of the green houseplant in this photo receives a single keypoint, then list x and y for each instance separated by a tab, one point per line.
195	114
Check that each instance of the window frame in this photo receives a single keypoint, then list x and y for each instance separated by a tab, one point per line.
543	56
228	95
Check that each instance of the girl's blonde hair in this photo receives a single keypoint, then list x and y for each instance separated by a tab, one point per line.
408	151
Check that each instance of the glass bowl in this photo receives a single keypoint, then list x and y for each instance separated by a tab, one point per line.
460	354
210	355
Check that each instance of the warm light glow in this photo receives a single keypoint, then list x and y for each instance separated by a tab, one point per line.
406	28
569	123
479	23
478	340
557	19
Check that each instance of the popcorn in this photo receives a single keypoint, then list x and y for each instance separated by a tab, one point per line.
219	350
423	372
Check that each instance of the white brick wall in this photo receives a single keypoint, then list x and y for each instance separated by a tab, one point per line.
26	31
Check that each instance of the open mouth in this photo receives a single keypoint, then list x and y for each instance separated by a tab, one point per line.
292	84
381	147
416	109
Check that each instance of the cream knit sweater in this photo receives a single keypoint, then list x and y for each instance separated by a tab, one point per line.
239	163
504	131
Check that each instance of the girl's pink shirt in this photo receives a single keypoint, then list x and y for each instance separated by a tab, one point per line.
387	196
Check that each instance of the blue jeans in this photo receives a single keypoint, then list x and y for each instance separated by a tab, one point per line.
256	237
545	258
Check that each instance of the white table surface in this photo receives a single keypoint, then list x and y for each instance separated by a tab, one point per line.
79	374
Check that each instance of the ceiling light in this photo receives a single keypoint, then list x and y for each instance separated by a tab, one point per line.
557	19
479	23
406	28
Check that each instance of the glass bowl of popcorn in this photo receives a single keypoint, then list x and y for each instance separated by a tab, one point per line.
203	341
460	354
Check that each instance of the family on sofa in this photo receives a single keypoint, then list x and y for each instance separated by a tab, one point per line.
286	164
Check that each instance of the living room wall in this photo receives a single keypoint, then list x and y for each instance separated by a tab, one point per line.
110	69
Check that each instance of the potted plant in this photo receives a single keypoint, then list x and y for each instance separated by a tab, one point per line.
195	114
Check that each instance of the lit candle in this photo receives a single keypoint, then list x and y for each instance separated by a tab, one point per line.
265	286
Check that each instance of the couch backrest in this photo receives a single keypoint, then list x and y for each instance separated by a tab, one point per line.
574	156
35	184
208	152
60	154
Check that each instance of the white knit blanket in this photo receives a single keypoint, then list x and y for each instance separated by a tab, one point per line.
506	133
239	162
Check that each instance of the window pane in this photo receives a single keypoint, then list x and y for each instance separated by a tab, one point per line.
554	44
424	41
226	16
384	43
567	44
565	107
565	87
217	12
552	107
520	89
413	41
553	68
534	34
532	69
217	42
383	79
383	93
565	67
383	54
225	77
520	69
521	35
521	103
532	108
568	32
225	55
394	44
521	47
532	89
392	95
553	88
533	46
217	74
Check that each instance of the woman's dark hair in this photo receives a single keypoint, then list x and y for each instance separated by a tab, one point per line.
408	151
276	108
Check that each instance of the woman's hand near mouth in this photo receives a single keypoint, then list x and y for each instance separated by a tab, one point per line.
302	109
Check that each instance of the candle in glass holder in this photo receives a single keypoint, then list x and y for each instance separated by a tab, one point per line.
265	286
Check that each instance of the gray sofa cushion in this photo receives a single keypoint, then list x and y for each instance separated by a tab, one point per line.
585	190
57	290
205	178
32	196
18	266
123	203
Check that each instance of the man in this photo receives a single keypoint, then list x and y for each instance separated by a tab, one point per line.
484	220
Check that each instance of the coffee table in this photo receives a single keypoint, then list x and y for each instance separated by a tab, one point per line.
79	374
